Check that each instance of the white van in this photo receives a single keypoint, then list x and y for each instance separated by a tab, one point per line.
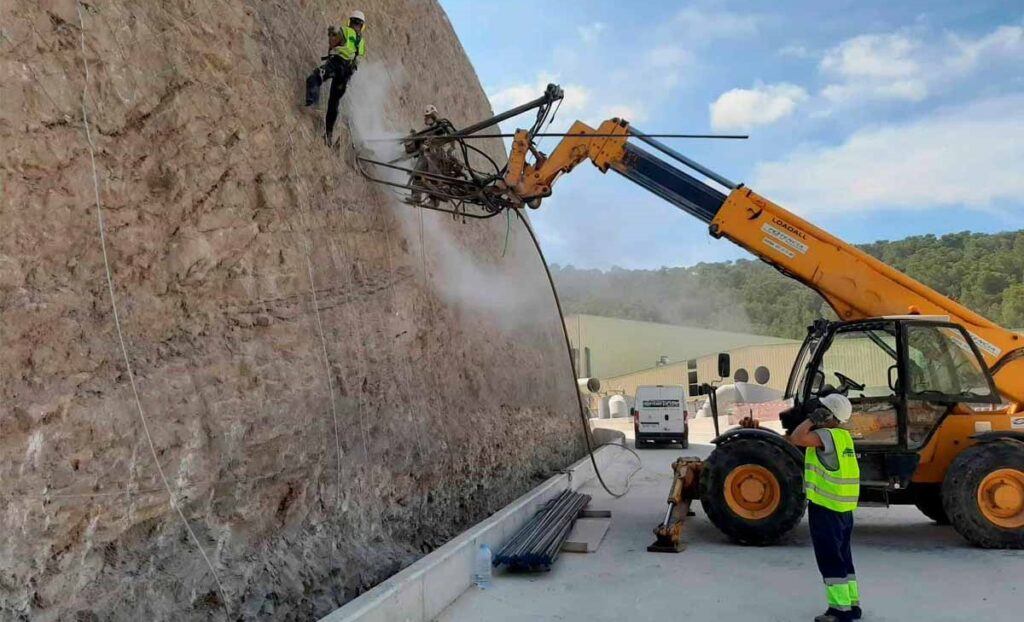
659	415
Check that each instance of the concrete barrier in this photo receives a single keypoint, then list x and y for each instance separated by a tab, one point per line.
420	592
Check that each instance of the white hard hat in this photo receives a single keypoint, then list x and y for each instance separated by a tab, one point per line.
358	15
839	405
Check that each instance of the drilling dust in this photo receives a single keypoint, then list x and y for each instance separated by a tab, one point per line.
495	285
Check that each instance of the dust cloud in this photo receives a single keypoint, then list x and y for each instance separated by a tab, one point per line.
493	284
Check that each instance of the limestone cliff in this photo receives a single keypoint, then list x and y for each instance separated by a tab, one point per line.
331	384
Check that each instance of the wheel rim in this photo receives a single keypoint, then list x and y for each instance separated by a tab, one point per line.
752	492
1001	498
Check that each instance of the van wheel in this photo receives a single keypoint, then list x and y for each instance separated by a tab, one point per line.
639	444
752	490
685	443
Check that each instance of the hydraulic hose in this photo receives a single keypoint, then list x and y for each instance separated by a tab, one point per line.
572	366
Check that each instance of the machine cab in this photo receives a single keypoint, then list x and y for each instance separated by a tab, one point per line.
903	376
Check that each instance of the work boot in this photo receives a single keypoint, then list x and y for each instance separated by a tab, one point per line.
855	612
833	615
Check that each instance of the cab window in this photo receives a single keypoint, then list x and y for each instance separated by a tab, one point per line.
864	361
942	365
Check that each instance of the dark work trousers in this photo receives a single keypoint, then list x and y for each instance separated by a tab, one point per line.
830	534
339	72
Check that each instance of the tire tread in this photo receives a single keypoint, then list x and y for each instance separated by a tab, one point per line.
788	471
959	493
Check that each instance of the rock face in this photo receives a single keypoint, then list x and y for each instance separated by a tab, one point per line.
328	384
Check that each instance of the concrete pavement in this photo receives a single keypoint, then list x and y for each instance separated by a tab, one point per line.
908	568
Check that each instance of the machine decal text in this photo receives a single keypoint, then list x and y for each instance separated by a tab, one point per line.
778	247
777	233
986	346
788	227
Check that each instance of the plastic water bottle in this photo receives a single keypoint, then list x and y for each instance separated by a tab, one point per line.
482	567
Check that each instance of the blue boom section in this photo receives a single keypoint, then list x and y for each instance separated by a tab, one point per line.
686	192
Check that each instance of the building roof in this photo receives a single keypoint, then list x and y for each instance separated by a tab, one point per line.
620	346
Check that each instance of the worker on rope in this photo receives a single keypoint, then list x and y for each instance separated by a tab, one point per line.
347	46
832	483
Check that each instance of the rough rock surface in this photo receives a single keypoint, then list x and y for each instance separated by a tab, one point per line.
331	385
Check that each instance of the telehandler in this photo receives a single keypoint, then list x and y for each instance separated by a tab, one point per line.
937	389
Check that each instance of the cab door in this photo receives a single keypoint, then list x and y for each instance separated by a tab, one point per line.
943	369
862	359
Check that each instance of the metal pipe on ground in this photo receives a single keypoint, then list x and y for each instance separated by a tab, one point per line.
537	543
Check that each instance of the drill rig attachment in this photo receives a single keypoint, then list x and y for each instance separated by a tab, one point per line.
440	169
685	489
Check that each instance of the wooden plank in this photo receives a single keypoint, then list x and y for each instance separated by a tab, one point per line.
586	535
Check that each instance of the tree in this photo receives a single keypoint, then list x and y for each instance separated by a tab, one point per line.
984	272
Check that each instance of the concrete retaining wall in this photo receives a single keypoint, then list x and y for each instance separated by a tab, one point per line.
420	592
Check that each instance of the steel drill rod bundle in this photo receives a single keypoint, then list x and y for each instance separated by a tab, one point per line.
537	543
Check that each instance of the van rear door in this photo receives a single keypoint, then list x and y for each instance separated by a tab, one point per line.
660	410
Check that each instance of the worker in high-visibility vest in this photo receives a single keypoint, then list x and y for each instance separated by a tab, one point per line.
832	483
347	46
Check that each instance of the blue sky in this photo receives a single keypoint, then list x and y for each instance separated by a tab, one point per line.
875	120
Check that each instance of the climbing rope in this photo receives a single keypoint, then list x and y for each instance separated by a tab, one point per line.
117	321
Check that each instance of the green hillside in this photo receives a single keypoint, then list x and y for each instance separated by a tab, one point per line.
984	272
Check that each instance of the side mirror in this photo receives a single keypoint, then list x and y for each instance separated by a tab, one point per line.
894	379
724	365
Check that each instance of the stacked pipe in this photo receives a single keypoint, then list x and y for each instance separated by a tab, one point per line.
537	543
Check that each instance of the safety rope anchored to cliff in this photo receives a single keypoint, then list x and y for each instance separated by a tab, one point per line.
120	332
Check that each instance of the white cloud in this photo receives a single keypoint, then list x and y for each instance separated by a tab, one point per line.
909	90
578	103
577	97
591	32
1006	42
902	66
704	26
875	67
761	105
873	56
970	156
630	112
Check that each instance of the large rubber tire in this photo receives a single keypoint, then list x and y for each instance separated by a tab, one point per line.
960	493
788	474
929	501
685	443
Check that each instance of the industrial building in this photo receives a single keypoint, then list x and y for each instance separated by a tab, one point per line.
776	359
610	347
625	354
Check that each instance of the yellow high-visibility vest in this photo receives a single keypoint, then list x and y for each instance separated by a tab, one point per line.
837	489
353	44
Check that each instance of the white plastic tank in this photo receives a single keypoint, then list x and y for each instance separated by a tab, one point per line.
617	406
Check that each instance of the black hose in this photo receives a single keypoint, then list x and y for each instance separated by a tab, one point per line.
572	365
